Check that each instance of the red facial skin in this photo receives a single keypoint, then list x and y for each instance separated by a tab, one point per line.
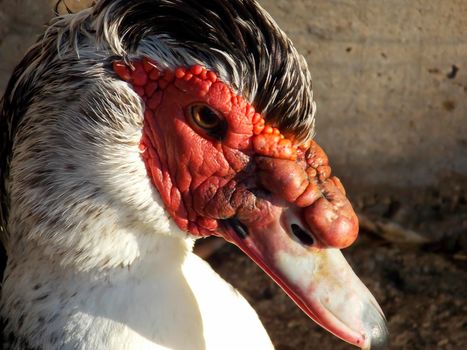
263	182
202	180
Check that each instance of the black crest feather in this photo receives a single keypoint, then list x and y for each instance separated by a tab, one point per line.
240	34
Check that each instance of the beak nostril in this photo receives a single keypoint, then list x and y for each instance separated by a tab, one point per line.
304	237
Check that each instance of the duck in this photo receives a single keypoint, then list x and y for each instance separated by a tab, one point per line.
133	128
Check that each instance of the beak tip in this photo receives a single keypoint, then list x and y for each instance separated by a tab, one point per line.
379	337
376	327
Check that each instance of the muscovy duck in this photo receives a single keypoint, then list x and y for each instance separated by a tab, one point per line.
134	127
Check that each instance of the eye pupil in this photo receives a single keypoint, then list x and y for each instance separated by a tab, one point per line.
206	117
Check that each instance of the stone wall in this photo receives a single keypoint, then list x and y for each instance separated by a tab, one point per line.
390	80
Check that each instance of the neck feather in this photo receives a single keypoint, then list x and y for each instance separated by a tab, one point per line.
52	305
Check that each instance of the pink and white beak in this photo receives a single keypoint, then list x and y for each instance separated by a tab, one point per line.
319	280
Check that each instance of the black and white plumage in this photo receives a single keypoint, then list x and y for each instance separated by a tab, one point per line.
87	237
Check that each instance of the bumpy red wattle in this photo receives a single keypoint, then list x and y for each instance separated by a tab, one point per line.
198	178
307	184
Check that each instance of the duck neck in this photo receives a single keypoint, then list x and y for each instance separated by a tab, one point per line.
125	301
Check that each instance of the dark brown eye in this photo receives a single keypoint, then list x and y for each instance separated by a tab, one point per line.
208	120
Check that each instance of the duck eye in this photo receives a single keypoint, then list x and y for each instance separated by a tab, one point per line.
205	117
208	120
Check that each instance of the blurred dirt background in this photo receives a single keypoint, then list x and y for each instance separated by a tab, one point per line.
390	81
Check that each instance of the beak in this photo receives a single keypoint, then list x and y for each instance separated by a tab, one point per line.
317	278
